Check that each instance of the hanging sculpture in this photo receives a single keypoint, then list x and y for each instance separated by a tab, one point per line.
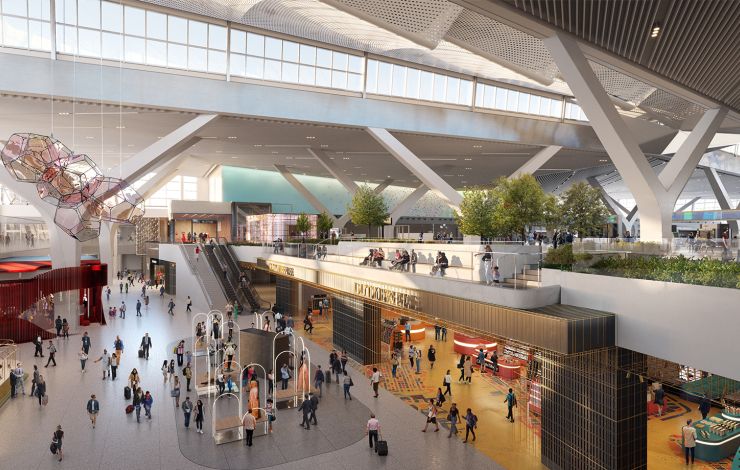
73	183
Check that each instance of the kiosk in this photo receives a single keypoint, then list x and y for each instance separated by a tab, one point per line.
717	437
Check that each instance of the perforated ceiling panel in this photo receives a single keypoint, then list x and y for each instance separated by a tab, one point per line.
620	85
503	43
672	107
423	21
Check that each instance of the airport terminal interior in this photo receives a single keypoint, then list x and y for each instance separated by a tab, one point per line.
370	234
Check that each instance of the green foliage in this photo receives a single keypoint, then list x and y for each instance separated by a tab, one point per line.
476	212
302	224
562	255
324	223
582	209
367	208
522	203
680	269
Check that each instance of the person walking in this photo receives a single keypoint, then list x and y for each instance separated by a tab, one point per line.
146	344
705	406
659	399
372	429
83	359
314	406
39	347
471	423
171	307
138	307
447	382
394	364
122	308
187	409
318	380
688	433
249	423
510	401
306	409
175	392
189	306
65	329
199	415
453	417
347	384
284	376
41	389
270	414
180	352
34	380
17	380
187	372
115	360
86	343
148	401
137	401
343	359
468	370
431	356
431	416
171	369
52	351
93	408
134	379
105	359
56	441
418	360
118	346
375	380
440	398
58	325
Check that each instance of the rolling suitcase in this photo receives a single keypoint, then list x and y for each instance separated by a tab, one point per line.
382	448
129	409
127	392
141	353
327	376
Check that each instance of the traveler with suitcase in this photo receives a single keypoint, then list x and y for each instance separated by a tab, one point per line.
318	380
373	430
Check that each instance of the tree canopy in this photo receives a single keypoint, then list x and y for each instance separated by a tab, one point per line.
476	216
367	208
522	203
324	223
582	209
302	224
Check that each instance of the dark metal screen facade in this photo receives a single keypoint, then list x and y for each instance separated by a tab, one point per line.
594	415
356	328
285	296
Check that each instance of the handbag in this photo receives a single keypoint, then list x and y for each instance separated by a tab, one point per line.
351	382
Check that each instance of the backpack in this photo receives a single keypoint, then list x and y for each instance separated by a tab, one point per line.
513	400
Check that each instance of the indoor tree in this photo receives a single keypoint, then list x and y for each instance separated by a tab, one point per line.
367	208
324	224
582	209
477	208
522	204
302	225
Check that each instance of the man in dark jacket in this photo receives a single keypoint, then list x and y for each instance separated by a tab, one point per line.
306	409
86	343
705	406
146	343
314	400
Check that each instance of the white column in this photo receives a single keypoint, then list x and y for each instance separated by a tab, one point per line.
108	249
381	187
313	200
414	164
723	197
536	161
334	170
402	208
656	197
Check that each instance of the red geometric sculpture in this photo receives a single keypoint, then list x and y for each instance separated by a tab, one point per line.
73	183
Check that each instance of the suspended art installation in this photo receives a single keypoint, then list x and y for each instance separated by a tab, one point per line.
73	183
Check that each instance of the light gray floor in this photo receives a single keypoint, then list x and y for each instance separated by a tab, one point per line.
119	442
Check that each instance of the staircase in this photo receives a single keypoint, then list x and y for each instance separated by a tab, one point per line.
528	278
207	278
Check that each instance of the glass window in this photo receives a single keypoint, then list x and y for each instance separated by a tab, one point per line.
340	61
398	81
255	67
89	42
307	75
197	59
156	53
177	56
290	51
238	41
523	103
237	64
112	15
38	35
135	49
412	83
500	102
216	37
385	72
39	9
134	21
66	39
255	44
355	64
88	14
556	108
354	81
177	29
545	106
323	77
512	97
439	87
273	70
534	104
15	7
156	25
308	54
466	92
323	58
290	72
372	76
66	12
338	79
489	96
197	33
15	32
426	85
453	89
216	61
273	48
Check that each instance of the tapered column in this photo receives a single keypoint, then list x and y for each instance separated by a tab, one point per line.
402	208
723	197
313	200
536	161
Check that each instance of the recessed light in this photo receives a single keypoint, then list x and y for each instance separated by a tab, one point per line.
258	145
275	152
231	137
63	114
89	137
219	151
209	137
656	30
310	137
234	157
324	146
120	127
477	146
345	158
130	145
603	159
468	168
468	159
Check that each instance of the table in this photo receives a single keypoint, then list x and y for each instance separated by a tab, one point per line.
713	446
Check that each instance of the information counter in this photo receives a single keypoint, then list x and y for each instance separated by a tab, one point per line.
509	367
717	437
471	345
418	331
736	462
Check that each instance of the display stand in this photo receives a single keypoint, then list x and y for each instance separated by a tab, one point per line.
226	428
204	374
252	401
717	438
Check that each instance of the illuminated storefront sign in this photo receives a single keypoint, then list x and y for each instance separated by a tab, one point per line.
387	294
280	269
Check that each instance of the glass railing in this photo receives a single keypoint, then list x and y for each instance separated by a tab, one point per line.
725	249
10	246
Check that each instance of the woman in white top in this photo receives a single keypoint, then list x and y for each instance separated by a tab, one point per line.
165	371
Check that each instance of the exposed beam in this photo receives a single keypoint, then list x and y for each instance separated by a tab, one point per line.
536	161
723	197
402	208
334	170
414	164
381	187
168	146
313	200
688	204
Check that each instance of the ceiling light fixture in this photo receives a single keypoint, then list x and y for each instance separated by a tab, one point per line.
274	152
324	146
258	145
468	159
231	137
310	137
89	137
120	127
209	137
603	159
477	146
63	114
656	30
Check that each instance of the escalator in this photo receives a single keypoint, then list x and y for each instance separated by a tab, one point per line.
250	294
228	274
